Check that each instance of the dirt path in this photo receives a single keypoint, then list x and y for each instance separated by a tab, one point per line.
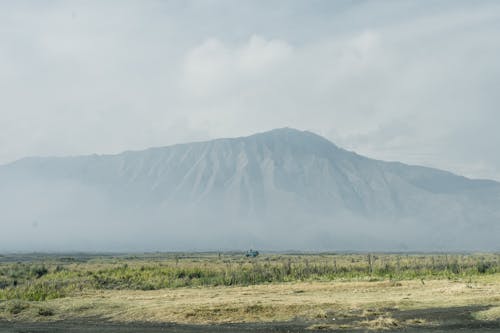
450	320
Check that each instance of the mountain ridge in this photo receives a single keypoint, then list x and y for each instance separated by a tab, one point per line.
277	130
252	189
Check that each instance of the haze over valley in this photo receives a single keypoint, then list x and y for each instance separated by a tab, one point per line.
283	189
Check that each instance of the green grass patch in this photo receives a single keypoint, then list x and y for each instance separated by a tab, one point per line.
50	277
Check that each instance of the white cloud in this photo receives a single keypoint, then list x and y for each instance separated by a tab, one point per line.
214	68
415	82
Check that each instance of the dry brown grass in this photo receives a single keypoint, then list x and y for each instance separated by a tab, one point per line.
272	302
490	314
381	323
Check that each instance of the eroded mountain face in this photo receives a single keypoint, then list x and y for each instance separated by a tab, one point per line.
283	189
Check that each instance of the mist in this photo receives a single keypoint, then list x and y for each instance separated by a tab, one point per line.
279	190
409	81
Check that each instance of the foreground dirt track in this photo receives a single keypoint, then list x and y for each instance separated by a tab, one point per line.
322	306
288	327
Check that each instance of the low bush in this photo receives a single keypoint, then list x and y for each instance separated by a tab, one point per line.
17	307
39	281
45	312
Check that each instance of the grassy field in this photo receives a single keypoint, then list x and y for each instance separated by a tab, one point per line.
327	291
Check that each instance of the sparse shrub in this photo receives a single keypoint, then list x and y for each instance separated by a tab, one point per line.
45	312
454	267
59	268
39	271
4	284
483	267
17	307
44	291
41	281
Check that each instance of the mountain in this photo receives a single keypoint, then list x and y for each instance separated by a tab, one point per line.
282	189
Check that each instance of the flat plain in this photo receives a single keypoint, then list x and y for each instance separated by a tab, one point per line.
190	292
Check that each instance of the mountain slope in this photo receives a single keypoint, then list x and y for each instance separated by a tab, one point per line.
283	189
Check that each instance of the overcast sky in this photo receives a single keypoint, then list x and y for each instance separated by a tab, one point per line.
414	81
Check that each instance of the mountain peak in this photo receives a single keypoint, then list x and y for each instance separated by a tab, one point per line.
295	136
285	131
284	188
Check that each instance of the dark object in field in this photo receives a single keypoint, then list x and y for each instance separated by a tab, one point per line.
252	253
45	312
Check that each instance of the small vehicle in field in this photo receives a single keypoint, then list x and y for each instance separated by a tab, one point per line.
251	253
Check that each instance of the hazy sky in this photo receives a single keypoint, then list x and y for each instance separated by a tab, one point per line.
415	81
